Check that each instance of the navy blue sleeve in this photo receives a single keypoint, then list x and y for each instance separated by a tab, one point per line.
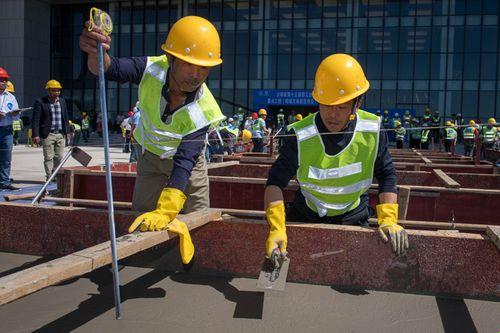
185	158
123	70
384	169
285	167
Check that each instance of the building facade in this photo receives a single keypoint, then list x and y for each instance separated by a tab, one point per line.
444	54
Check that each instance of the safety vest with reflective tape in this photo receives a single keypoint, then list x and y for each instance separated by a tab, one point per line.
489	134
332	185
231	129
85	123
451	133
16	125
77	127
152	133
400	133
425	136
469	133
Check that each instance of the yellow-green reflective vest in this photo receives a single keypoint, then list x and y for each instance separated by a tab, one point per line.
451	134
85	123
489	134
233	130
77	127
16	125
469	133
425	136
332	185
400	133
152	133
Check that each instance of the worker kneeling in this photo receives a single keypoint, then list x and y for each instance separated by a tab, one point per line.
334	153
177	110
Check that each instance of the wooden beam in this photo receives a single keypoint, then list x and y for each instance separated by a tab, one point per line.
445	179
259	215
426	160
403	200
494	233
27	281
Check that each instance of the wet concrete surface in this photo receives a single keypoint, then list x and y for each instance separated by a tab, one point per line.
157	299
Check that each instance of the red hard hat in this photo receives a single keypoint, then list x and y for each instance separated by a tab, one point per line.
255	115
3	73
130	113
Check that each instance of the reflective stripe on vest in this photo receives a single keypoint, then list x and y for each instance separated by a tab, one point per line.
332	185
152	133
77	127
400	133
469	133
16	125
234	131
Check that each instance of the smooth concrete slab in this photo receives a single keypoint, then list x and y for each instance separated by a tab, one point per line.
157	300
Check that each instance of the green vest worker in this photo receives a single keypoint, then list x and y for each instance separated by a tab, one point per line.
177	110
334	171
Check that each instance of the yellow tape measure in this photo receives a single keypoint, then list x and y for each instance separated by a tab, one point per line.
100	19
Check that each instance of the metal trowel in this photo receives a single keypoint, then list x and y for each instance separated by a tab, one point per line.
274	272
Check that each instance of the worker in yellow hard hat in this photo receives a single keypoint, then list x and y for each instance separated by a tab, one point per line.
470	134
449	135
334	171
400	133
50	125
298	117
489	134
259	131
171	168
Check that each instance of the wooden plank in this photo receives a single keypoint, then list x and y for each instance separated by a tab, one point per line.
14	197
259	215
89	202
426	160
71	185
403	200
27	281
447	180
494	233
222	164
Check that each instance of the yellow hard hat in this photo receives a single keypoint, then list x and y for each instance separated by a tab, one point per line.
84	114
339	79
492	121
53	84
298	117
448	123
194	40
246	136
397	123
70	122
263	112
10	87
472	123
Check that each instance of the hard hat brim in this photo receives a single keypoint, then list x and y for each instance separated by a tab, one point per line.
342	100
191	60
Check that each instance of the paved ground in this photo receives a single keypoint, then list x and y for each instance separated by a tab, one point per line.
159	299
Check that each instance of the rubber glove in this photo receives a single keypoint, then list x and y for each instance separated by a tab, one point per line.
186	246
387	215
169	204
275	215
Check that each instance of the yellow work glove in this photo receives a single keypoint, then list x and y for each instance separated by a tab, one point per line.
387	215
169	204
186	246
275	215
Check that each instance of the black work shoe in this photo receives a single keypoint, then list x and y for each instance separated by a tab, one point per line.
10	188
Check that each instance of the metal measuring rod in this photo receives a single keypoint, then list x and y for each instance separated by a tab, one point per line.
102	20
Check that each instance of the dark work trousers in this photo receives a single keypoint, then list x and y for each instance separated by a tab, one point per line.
447	144
258	146
399	144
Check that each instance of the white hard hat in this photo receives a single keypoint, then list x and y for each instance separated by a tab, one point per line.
230	120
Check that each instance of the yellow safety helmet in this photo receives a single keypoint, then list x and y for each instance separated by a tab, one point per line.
84	114
263	112
397	123
53	84
194	40
339	79
448	123
246	136
10	87
492	121
70	122
298	117
472	123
